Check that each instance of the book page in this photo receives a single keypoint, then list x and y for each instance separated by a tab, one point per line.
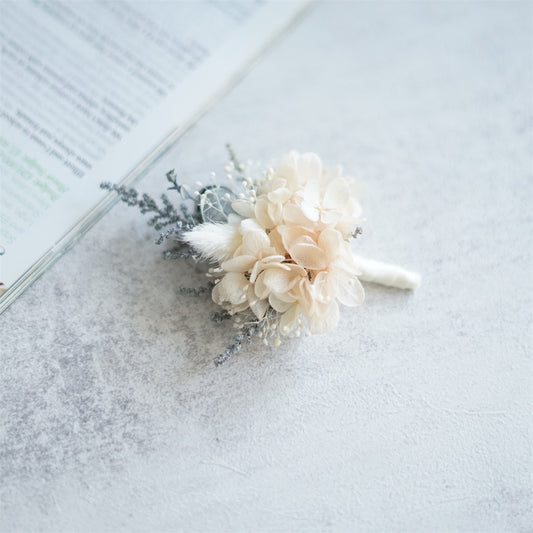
93	91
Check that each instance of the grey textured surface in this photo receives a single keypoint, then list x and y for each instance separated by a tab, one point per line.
412	416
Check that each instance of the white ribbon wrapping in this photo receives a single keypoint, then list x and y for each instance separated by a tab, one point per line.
385	274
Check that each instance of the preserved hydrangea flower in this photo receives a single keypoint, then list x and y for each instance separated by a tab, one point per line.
290	250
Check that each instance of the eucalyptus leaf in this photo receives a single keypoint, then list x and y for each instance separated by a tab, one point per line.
214	203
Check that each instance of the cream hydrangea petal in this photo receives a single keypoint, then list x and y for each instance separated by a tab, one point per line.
254	241
312	193
258	307
310	212
345	262
311	201
245	208
275	259
277	242
303	293
345	227
240	263
261	212
231	288
322	289
350	292
275	213
264	265
286	297
325	319
331	241
304	239
279	280
331	173
233	309
265	215
293	214
270	262
278	304
337	194
287	164
279	195
330	217
277	183
256	270
260	289
353	208
292	234
309	256
289	319
309	166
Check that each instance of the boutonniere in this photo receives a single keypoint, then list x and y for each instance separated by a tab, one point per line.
279	246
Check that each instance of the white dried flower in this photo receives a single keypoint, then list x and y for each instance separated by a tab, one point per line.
290	250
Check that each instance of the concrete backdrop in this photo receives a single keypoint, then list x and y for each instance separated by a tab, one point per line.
412	416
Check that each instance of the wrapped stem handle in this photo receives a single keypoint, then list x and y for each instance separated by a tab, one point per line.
385	274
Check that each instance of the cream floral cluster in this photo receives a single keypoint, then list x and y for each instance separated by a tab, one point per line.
288	248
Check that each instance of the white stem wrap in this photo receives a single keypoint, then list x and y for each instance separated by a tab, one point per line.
384	274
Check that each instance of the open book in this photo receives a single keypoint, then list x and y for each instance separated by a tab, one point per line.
98	89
